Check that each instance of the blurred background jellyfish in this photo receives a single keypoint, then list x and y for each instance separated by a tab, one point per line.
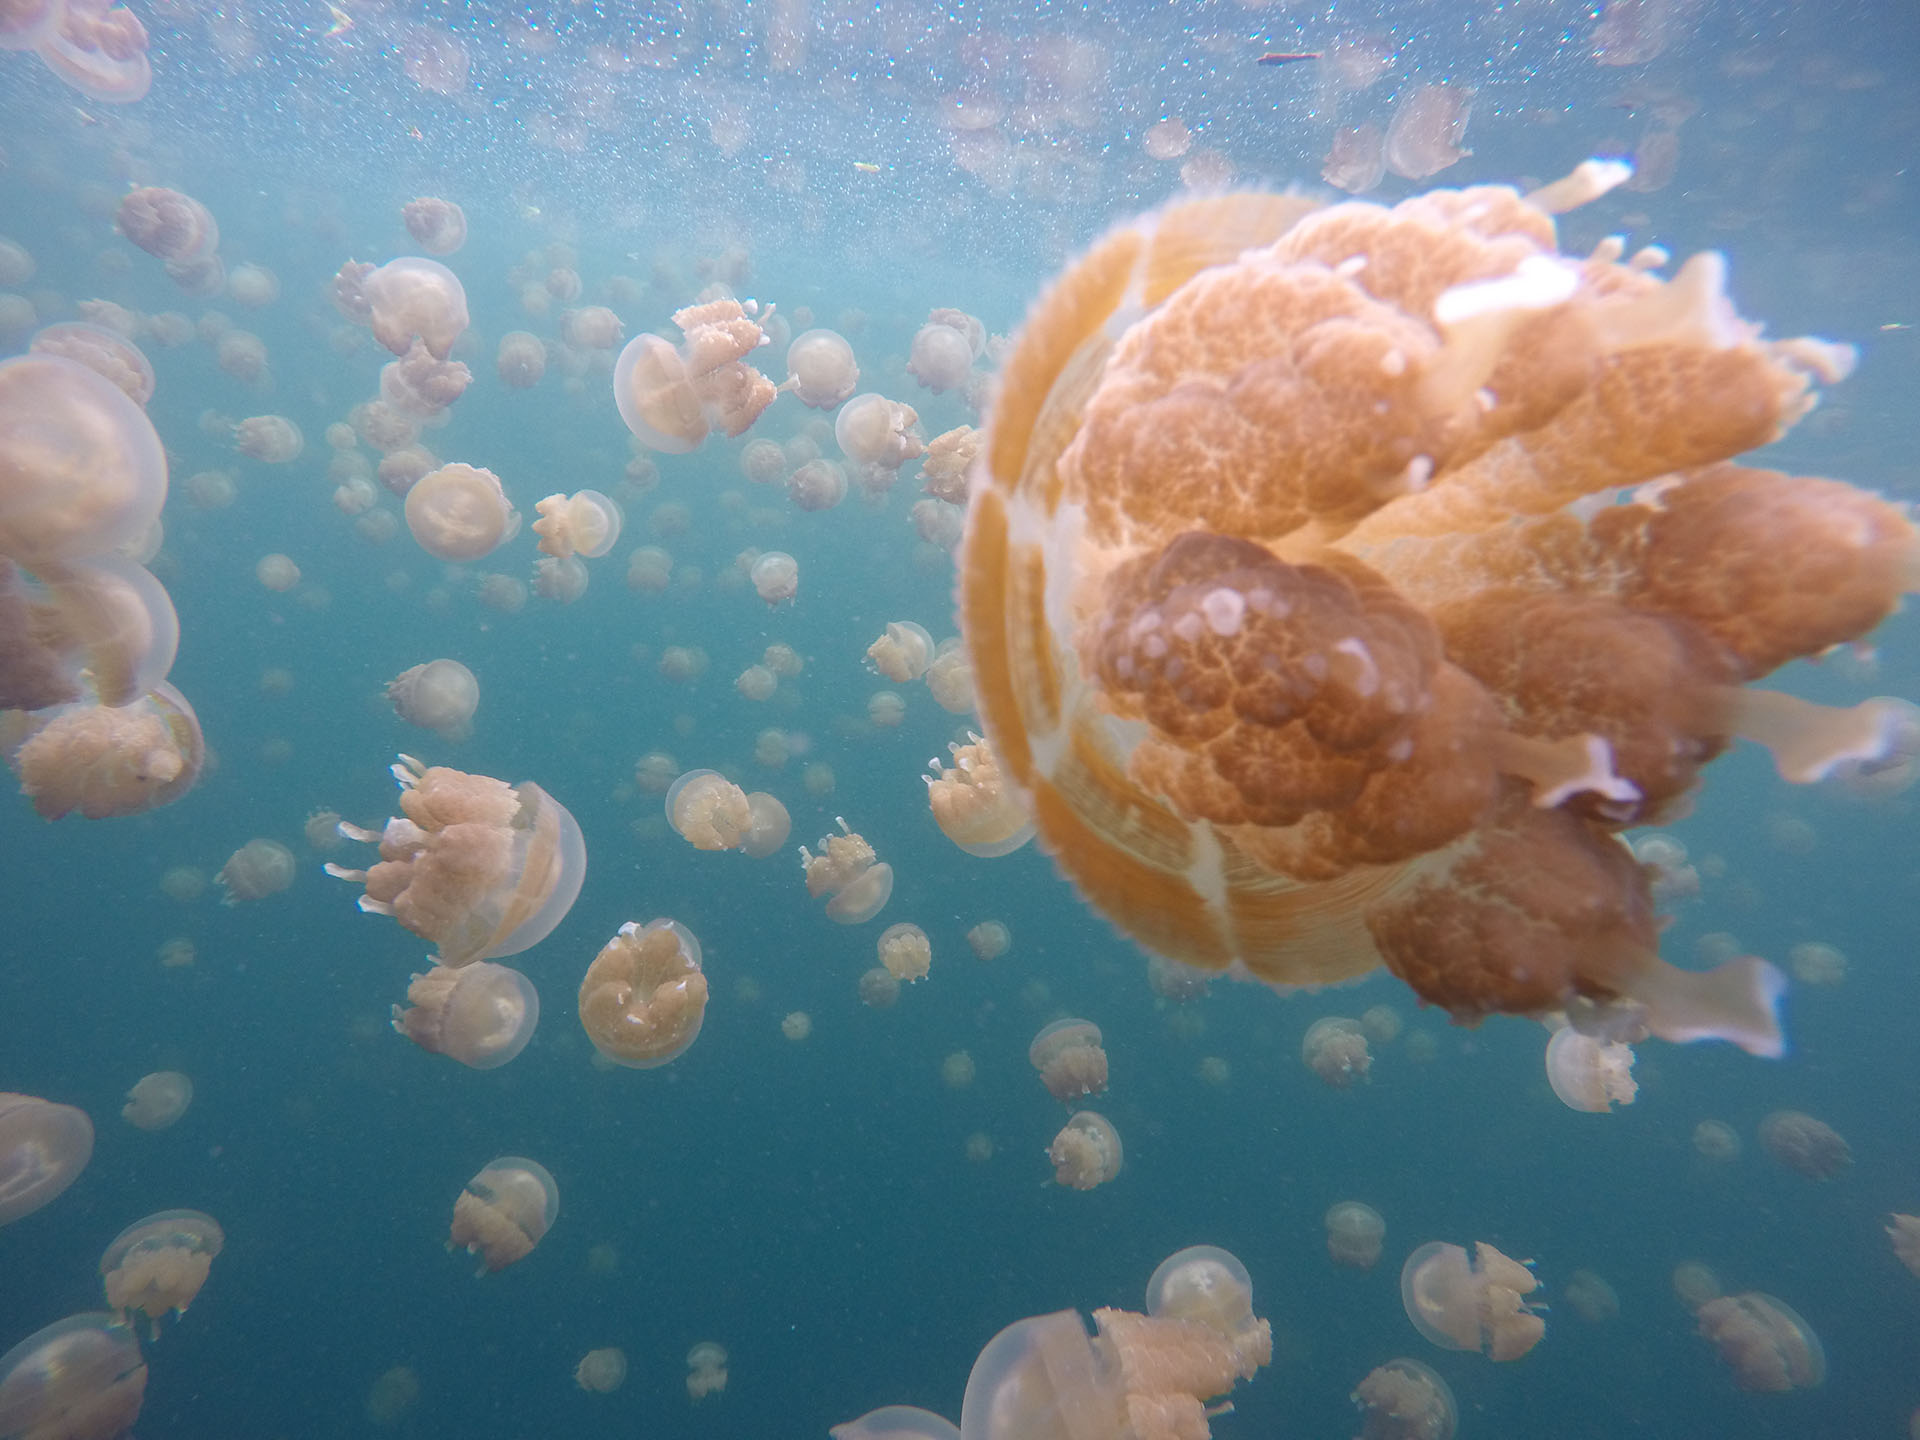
706	1369
776	577
1405	1400
1355	1233
1335	1049
81	1378
1069	1056
905	952
1589	1074
768	826
43	1148
644	997
821	371
1591	1297
601	1371
975	804
259	868
1805	1145
157	1101
1763	1342
1904	1232
896	1422
989	940
1087	1151
585	523
413	299
441	695
156	1266
504	1211
481	1014
1471	1305
847	872
1717	1141
438	226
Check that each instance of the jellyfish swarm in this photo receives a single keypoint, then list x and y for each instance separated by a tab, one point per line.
480	868
1588	1073
1087	1151
81	1378
846	872
1282	612
1761	1339
1405	1400
644	997
672	399
585	523
1471	1305
503	1211
706	1370
480	1014
43	1149
1069	1057
974	802
156	1266
821	371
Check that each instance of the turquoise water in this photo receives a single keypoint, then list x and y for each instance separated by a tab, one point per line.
812	1206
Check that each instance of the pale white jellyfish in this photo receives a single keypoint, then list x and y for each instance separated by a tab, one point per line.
1589	1074
776	577
441	695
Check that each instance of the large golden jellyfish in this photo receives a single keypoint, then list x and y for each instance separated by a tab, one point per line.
481	1014
480	868
974	803
43	1148
81	1378
644	997
104	761
156	1266
673	398
1339	582
1145	1377
1476	1304
1763	1341
503	1212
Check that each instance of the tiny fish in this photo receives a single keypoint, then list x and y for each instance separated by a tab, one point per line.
865	169
1287	57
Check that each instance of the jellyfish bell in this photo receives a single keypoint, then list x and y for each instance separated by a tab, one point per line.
1335	1048
156	1266
873	430
708	811
503	1212
1478	1304
481	1014
601	1371
1208	1286
259	868
896	1422
776	577
644	996
105	352
108	761
158	1100
975	803
768	826
440	695
706	1369
438	226
1405	1400
460	512
43	1148
940	358
1763	1341
100	49
1354	1234
585	522
1087	1152
1805	1145
821	371
902	653
115	614
1588	1073
905	952
1069	1056
82	1377
411	298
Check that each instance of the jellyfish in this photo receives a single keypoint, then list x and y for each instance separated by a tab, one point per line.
411	299
757	683
905	952
950	677
1171	980
776	577
644	996
156	1101
481	1014
818	484
768	825
459	512
649	569
902	653
109	355
277	573
885	710
592	327
1086	1152
103	625
682	663
586	522
503	1211
521	360
896	1422
167	224
441	695
392	1395
878	988
1816	963
1382	1024
479	868
1069	1057
253	286
1592	1298
655	772
1335	1049
1405	1400
438	226
1760	1338
989	940
874	431
177	953
421	384
256	870
706	1369
1694	1284
821	371
974	804
1589	1074
846	871
940	358
1904	1232
1805	1145
1716	1140
671	399
797	1025
43	1148
156	1266
100	49
270	439
1427	127
81	1378
562	581
601	1371
708	811
1356	161
1471	1305
1355	1232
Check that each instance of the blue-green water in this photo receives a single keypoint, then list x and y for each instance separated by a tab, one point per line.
812	1206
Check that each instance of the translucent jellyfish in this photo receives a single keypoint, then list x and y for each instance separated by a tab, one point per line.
1354	1234
821	371
277	572
81	1378
601	1371
672	399
438	226
1171	980
1766	1345
902	653
270	439
1805	1145
950	677
100	49
1816	963
1405	1400
905	952
480	868
156	1101
104	624
873	430
896	1422
878	988
243	355
1904	1232
682	663
1069	1057
253	286
763	462
845	870
585	522
796	1026
43	1148
1086	1152
757	683
940	358
481	1014
1589	1074
1335	1049
411	299
1427	127
655	772
706	1369
1208	1287
1167	139
644	997
708	811
562	581
1382	1024
256	870
818	484
1716	1140
776	577
1471	1305
989	940
441	695
177	953
521	360
768	826
957	1070
210	490
503	1211
974	804
1591	1297
107	354
391	1396
649	570
156	1266
885	710
460	512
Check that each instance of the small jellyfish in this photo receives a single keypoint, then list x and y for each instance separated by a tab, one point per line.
270	439
253	286
1355	1232
989	940
950	677
873	430
644	996
1904	1232
975	805
1592	1298
438	226
481	1014
1589	1074
503	1211
763	462
821	371
655	772
896	1422
940	358
1069	1057
1381	1023
1716	1140
878	988
601	1371
1805	1145
818	484
885	710
156	1101
957	1070
392	1395
411	299
1335	1049
81	1378
902	653
672	399
156	1266
649	570
562	581
1471	1305
1816	963
43	1148
905	952
585	522
521	360
256	870
1086	1152
1766	1345
768	827
441	695
167	224
757	683
797	1025
1405	1400
706	1369
708	811
776	577
847	872
1428	125
1694	1284
459	512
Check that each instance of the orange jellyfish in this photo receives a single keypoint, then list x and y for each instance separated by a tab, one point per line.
105	761
459	512
256	870
1805	1145
158	1100
1335	1049
706	1369
439	226
821	371
585	522
107	354
1306	655
950	455
480	868
1070	1059
1471	1305
441	695
905	952
81	1378
1086	1152
708	810
413	299
167	224
974	804
672	399
1760	1338
1588	1073
100	49
846	871
503	1212
156	1266
1405	1400
481	1014
601	1371
902	653
950	677
896	1422
43	1148
1355	1232
521	360
644	996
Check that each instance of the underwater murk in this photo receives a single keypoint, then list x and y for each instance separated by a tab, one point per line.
1121	722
